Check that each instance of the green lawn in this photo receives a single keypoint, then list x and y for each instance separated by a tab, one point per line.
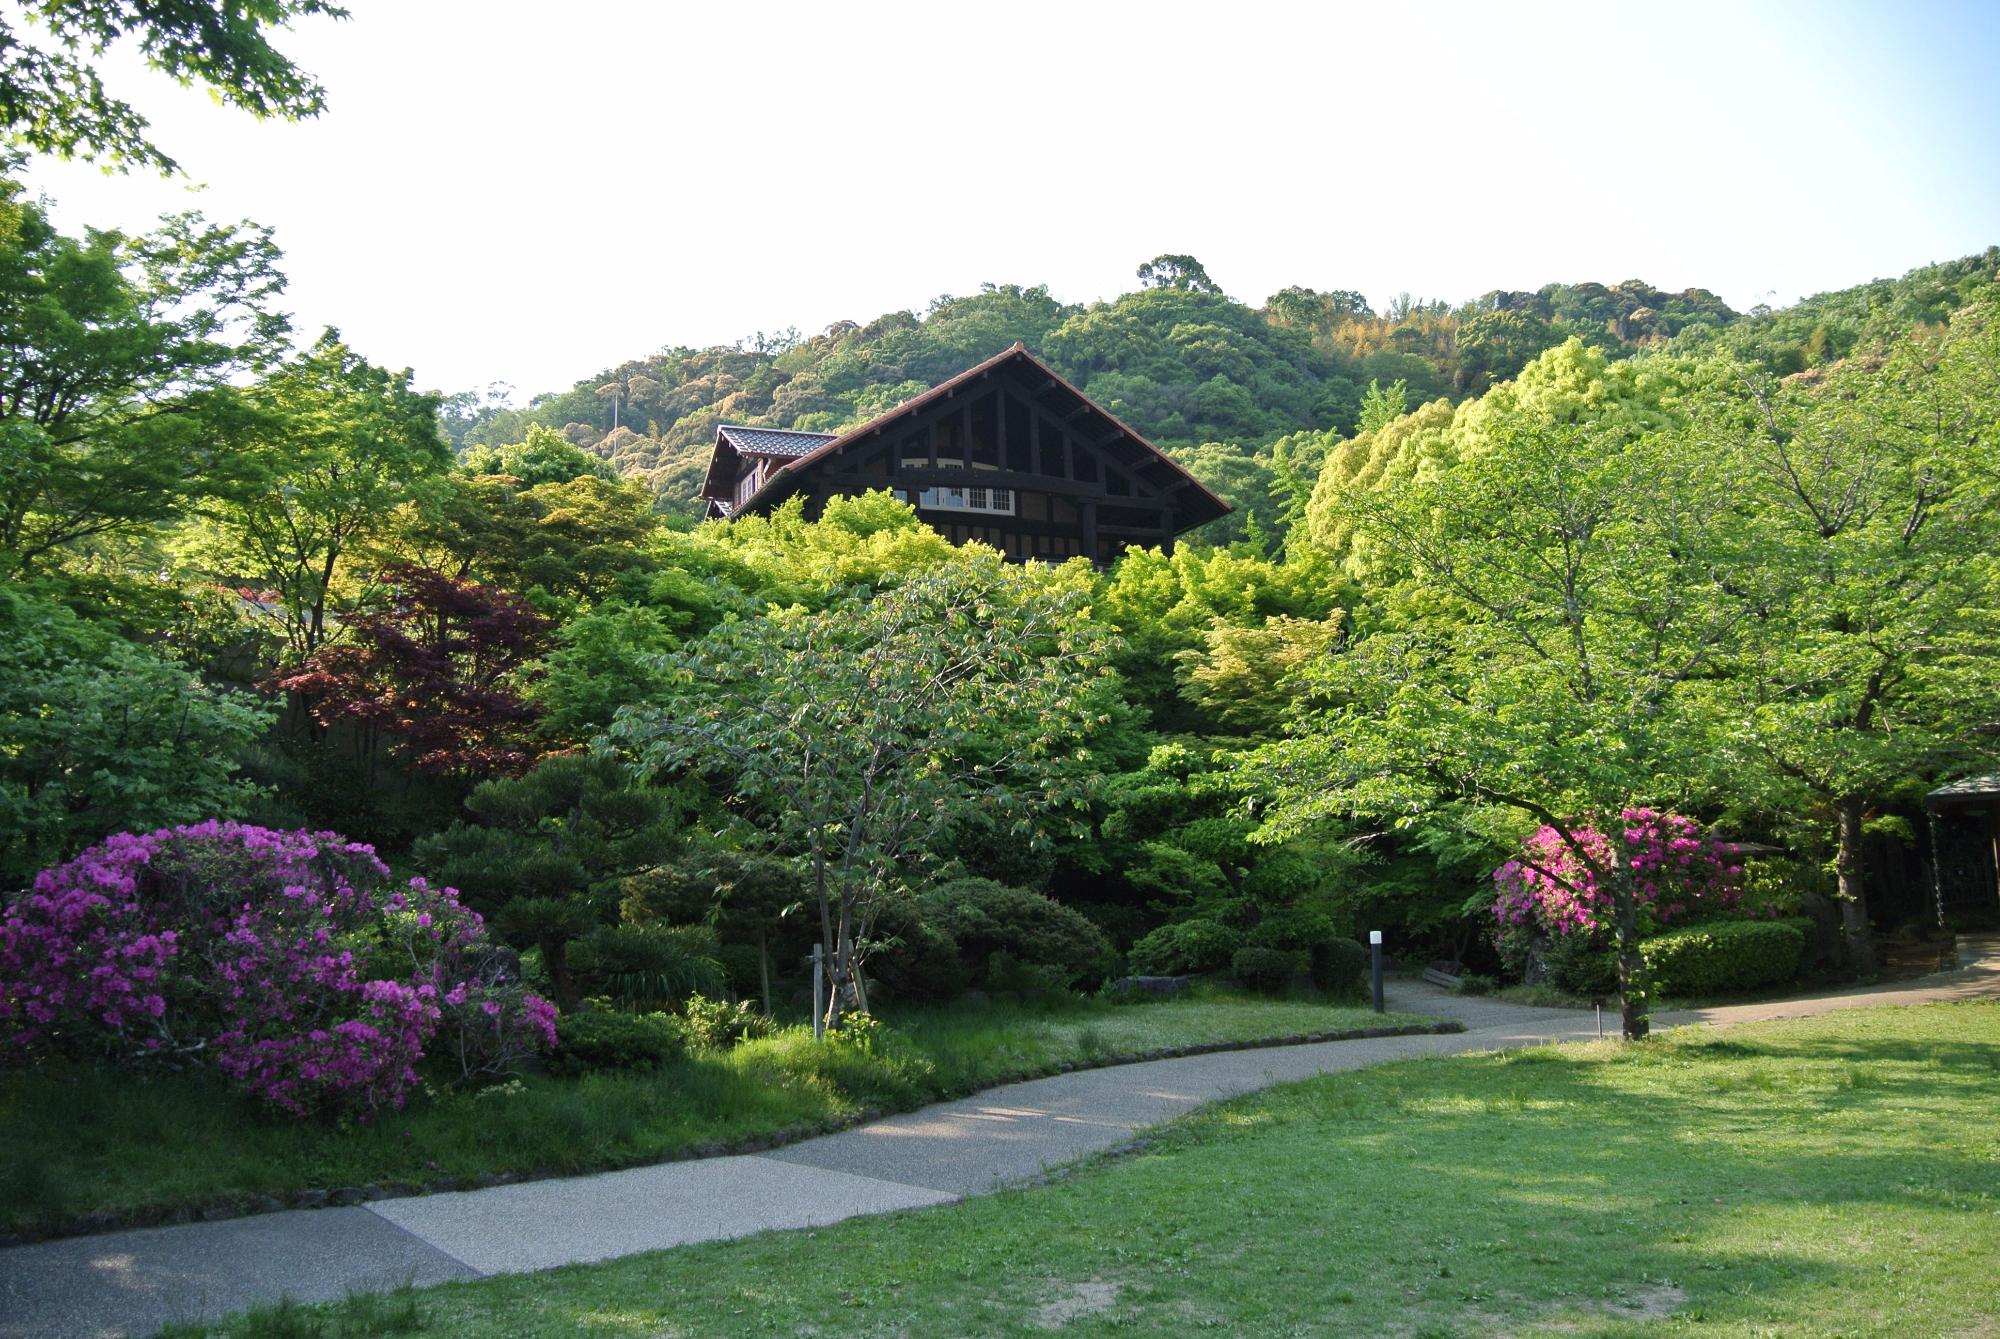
82	1141
1827	1176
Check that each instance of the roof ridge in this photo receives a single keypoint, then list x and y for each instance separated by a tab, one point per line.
796	432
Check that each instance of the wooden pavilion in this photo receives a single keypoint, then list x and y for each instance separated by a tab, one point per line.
1006	453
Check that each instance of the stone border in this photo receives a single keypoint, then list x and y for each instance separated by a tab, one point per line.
244	1206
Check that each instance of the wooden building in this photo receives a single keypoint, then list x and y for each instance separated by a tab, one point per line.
1006	453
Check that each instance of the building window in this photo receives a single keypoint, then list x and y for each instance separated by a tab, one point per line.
999	501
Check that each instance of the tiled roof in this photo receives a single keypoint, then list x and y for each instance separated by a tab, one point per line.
773	441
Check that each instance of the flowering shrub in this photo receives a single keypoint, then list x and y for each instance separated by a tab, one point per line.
1678	874
287	959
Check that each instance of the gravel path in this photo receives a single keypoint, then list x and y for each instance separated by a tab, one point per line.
130	1283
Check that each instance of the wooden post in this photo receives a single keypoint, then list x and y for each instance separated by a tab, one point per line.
819	992
999	428
1087	512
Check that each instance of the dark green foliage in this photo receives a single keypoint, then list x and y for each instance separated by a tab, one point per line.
647	967
567	832
914	959
1724	956
594	1040
1182	947
1576	965
1271	970
985	919
1340	966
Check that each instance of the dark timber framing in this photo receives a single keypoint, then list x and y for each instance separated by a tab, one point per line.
1006	453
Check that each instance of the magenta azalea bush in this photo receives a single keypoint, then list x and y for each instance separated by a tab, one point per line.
288	960
1679	875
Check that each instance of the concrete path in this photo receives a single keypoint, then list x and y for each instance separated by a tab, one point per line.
131	1283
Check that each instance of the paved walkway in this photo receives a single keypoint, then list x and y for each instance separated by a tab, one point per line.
130	1283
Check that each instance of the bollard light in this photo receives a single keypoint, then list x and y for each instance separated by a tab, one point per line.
1375	965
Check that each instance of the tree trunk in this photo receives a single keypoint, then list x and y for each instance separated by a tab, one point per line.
1853	896
555	957
1633	985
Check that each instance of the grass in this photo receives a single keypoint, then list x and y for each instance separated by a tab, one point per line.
1826	1176
84	1141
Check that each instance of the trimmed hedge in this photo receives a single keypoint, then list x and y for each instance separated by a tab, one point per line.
1723	956
1196	945
1270	970
987	919
1340	966
600	1039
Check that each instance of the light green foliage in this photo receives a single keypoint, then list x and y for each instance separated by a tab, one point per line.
1878	516
343	445
98	735
121	356
1248	678
851	734
1566	583
1165	605
55	102
603	662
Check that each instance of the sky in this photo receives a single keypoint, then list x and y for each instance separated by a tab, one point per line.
529	193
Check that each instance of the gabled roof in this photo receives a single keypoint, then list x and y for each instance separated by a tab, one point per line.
771	441
787	477
1971	790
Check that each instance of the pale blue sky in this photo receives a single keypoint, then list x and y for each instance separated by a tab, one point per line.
525	192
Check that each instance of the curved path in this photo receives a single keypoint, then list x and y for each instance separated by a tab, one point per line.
130	1283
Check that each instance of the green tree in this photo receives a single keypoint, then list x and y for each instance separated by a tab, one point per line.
1565	587
98	736
1182	272
52	99
119	356
347	444
851	735
545	853
1875	491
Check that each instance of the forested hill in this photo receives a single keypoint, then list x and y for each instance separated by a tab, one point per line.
1214	380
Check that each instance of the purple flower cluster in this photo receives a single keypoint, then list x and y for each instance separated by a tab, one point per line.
286	958
1678	873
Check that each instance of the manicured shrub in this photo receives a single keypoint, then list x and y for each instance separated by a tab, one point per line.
647	967
591	1040
913	959
985	918
287	959
1723	956
1270	970
717	1024
1293	927
1184	946
1340	967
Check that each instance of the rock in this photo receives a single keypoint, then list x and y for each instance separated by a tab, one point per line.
309	1199
1151	985
345	1196
263	1204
